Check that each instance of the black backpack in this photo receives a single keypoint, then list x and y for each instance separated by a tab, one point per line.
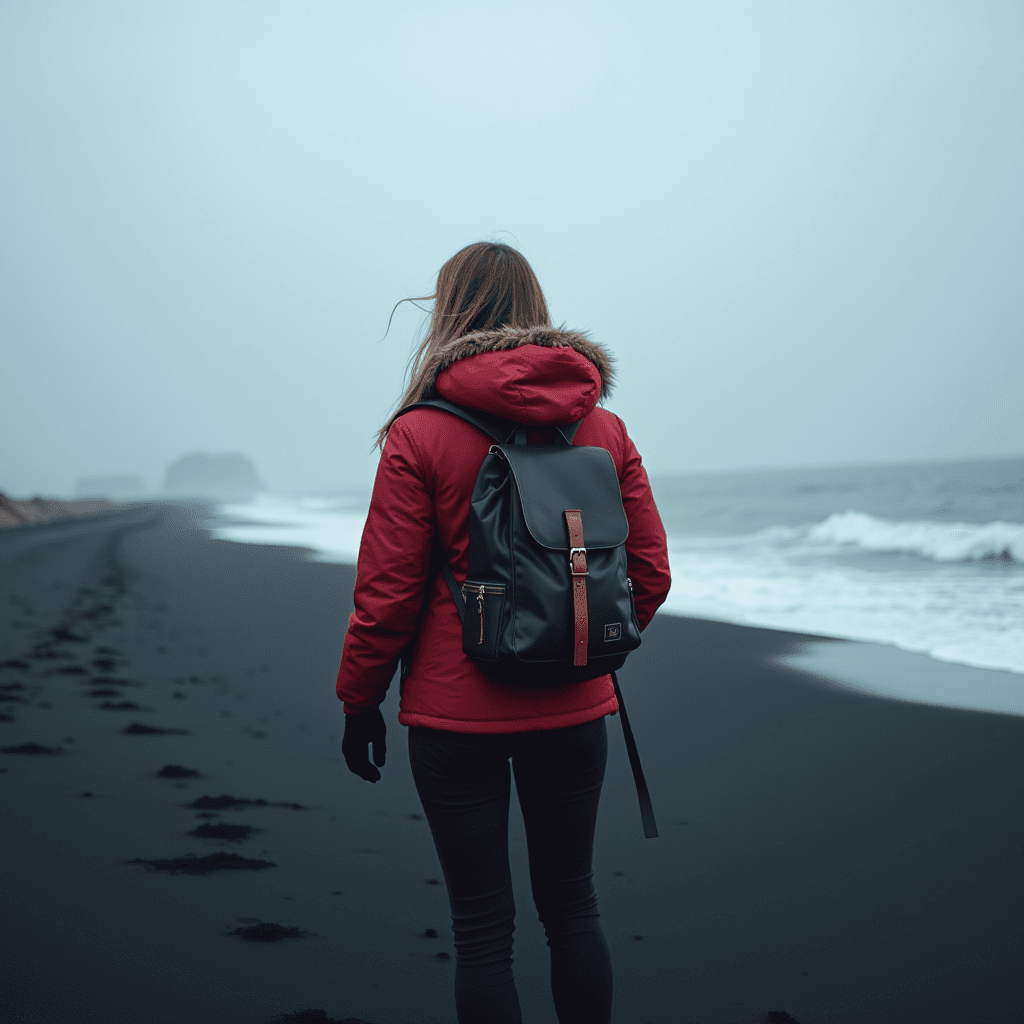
546	600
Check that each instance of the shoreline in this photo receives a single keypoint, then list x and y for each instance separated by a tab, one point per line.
965	685
841	856
918	613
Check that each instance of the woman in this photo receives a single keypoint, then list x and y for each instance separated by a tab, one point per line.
491	347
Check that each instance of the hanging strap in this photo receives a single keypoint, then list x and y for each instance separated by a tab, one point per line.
578	569
646	808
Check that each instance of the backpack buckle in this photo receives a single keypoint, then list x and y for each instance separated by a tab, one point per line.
574	566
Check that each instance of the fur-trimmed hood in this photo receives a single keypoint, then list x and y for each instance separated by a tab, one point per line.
540	376
506	338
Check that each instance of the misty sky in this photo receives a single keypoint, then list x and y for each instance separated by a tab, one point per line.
797	226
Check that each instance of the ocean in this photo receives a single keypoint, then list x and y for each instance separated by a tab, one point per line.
928	558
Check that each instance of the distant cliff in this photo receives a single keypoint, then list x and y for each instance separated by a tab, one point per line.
220	477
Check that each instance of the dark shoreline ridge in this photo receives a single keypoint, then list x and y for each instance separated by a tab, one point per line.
824	853
15	513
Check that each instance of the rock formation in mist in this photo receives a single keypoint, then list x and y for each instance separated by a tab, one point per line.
218	477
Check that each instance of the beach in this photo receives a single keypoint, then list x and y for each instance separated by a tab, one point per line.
833	854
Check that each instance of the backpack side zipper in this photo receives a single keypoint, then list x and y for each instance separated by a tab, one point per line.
480	591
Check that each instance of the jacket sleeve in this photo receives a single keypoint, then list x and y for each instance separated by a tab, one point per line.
646	546
391	574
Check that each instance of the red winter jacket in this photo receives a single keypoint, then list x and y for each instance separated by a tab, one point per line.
537	377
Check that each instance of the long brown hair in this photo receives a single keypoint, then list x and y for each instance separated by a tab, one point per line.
485	286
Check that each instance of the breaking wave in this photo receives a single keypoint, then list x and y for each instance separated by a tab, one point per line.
942	542
962	601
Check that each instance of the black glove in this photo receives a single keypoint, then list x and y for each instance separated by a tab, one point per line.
361	729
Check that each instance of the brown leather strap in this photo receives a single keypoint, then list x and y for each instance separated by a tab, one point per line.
578	568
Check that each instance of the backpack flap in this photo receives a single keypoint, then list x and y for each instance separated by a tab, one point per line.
553	478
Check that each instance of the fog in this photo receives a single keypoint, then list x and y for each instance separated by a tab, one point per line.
797	226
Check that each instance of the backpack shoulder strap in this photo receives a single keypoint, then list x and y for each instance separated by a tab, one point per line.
569	431
457	595
496	428
437	559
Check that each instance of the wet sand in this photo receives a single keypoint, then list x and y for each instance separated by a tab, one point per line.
182	842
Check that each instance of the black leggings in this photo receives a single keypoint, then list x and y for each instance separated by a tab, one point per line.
464	783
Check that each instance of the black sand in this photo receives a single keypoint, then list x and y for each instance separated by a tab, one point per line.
835	857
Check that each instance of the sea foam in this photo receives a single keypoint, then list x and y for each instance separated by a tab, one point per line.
330	528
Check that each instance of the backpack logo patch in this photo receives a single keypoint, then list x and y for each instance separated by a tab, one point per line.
612	631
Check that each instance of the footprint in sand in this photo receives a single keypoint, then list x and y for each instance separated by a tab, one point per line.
225	832
190	864
139	729
310	1016
176	771
266	931
224	801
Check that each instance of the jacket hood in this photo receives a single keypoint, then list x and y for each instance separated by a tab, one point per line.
533	375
